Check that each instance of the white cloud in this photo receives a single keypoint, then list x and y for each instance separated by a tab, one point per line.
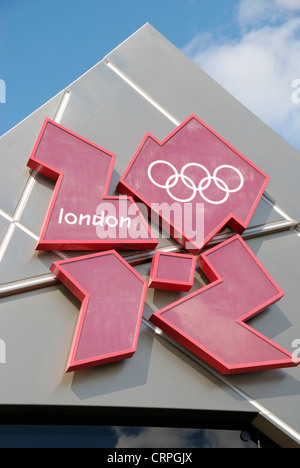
261	67
251	13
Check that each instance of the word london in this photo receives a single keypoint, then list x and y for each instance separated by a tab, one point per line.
92	220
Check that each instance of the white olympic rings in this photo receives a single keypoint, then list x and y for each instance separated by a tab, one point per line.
203	184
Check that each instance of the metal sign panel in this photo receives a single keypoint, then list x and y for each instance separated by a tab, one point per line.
81	215
194	172
230	187
173	272
210	322
112	295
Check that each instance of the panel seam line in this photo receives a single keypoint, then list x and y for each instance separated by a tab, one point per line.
142	93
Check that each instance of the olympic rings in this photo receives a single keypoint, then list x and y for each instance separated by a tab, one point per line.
203	184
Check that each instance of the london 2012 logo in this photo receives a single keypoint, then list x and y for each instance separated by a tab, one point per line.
193	182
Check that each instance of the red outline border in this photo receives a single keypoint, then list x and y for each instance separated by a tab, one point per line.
58	270
171	285
231	220
203	353
57	176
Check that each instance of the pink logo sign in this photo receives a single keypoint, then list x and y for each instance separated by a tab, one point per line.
112	295
171	271
81	215
210	322
193	171
194	166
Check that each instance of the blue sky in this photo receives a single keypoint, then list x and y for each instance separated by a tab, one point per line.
251	47
47	44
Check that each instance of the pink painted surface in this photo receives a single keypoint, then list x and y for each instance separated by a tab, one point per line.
83	171
112	295
172	271
195	166
211	321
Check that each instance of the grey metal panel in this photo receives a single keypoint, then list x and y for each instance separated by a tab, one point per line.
15	149
38	327
3	226
106	111
34	213
265	214
179	86
21	261
279	390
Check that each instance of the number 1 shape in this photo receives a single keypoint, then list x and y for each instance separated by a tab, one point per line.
112	296
81	215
